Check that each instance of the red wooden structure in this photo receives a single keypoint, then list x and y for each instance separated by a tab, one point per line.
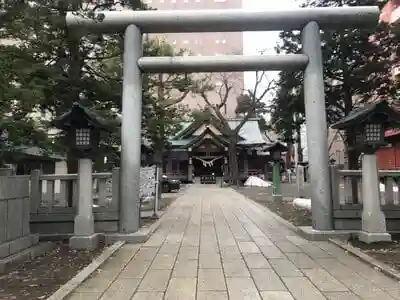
389	157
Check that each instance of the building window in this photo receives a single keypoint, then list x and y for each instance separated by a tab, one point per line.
198	1
219	0
174	42
161	1
185	1
185	42
223	41
173	1
217	41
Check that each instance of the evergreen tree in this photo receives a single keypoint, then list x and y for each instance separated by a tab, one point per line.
357	64
58	68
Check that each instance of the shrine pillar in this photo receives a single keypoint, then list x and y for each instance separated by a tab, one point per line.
225	168
246	164
190	170
266	171
168	169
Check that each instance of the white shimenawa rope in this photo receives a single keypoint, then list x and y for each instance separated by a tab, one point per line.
208	163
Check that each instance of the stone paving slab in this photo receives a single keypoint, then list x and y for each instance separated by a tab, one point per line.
215	244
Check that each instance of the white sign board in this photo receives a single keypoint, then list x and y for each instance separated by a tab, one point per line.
147	181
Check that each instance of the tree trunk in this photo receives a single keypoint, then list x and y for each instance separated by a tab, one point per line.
299	148
233	162
289	153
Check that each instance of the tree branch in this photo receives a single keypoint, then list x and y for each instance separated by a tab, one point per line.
103	57
333	140
217	112
176	100
224	98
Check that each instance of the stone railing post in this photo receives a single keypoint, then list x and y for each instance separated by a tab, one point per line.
36	191
84	234
373	219
335	187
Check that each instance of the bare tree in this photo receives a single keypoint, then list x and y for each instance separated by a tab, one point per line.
254	98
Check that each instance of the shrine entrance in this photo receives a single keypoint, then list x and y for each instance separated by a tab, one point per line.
136	23
207	165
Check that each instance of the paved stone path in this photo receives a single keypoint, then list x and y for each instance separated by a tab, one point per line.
215	244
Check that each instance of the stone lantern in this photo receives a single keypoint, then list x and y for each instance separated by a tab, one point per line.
370	123
82	128
275	151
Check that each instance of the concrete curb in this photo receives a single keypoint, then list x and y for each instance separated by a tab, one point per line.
377	265
64	291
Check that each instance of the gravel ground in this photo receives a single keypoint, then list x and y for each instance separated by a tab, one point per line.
285	208
42	276
388	253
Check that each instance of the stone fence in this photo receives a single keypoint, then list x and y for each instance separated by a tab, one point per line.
348	199
54	202
15	232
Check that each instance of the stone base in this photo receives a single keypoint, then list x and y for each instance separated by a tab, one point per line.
369	238
277	197
88	242
17	245
84	225
8	263
129	238
312	234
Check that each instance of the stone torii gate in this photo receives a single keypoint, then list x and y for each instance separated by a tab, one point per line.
309	20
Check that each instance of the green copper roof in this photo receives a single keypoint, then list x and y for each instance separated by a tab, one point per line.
250	133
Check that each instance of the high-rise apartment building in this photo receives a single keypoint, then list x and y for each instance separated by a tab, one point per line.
208	44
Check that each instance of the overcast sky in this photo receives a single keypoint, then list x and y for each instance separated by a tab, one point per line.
254	42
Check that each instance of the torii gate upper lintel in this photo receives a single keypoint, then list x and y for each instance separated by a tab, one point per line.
309	20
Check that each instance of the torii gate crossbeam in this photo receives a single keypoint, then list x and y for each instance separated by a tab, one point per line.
309	20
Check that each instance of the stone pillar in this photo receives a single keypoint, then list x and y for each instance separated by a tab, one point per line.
373	219
131	131
276	180
84	235
266	171
190	170
317	136
300	181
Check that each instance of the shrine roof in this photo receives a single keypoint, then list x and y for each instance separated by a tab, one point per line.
250	133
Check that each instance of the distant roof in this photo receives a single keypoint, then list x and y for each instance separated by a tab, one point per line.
250	132
39	152
364	112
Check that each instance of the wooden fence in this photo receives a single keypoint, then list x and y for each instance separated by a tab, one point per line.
347	197
14	215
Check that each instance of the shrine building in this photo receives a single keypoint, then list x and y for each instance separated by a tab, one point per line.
201	148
